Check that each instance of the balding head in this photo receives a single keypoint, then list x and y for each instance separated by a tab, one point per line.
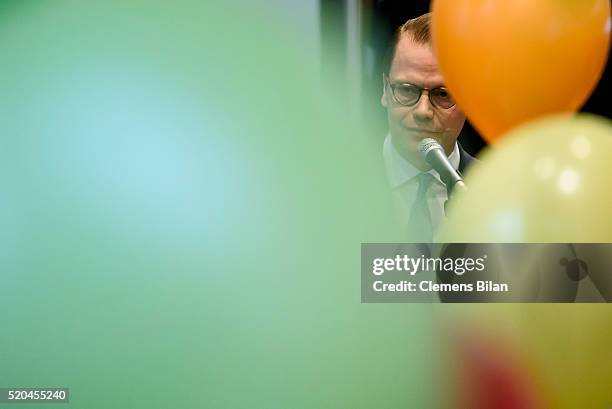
417	30
418	104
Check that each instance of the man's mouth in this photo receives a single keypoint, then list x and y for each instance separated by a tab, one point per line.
426	132
421	130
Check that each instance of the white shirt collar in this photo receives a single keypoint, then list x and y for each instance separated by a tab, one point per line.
399	170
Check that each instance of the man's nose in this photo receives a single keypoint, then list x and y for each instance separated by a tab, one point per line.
423	109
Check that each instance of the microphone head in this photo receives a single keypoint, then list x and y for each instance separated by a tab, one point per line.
427	145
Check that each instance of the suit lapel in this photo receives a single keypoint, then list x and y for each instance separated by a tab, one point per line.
465	159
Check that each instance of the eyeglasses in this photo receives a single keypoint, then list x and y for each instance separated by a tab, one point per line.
409	94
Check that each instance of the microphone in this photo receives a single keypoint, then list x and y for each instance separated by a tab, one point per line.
433	153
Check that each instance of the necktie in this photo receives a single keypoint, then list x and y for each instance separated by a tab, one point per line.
419	221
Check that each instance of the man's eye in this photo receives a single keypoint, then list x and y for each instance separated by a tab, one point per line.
442	93
406	87
408	90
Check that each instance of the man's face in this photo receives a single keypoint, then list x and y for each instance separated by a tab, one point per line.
415	64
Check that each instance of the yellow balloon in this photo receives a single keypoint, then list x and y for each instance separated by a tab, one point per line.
569	346
548	181
562	351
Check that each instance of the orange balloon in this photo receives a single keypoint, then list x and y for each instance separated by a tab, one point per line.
509	61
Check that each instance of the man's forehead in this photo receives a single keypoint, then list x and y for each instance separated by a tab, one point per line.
415	63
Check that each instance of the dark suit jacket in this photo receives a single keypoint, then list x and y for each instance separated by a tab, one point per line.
465	159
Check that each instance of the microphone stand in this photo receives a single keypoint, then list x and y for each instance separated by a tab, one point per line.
452	185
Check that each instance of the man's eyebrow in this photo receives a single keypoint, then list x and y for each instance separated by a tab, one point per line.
403	80
417	83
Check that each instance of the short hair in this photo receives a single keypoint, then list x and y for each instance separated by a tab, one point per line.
417	29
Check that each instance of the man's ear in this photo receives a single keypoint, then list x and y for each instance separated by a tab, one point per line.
383	98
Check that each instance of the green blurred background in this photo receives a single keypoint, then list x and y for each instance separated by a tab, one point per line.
181	214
